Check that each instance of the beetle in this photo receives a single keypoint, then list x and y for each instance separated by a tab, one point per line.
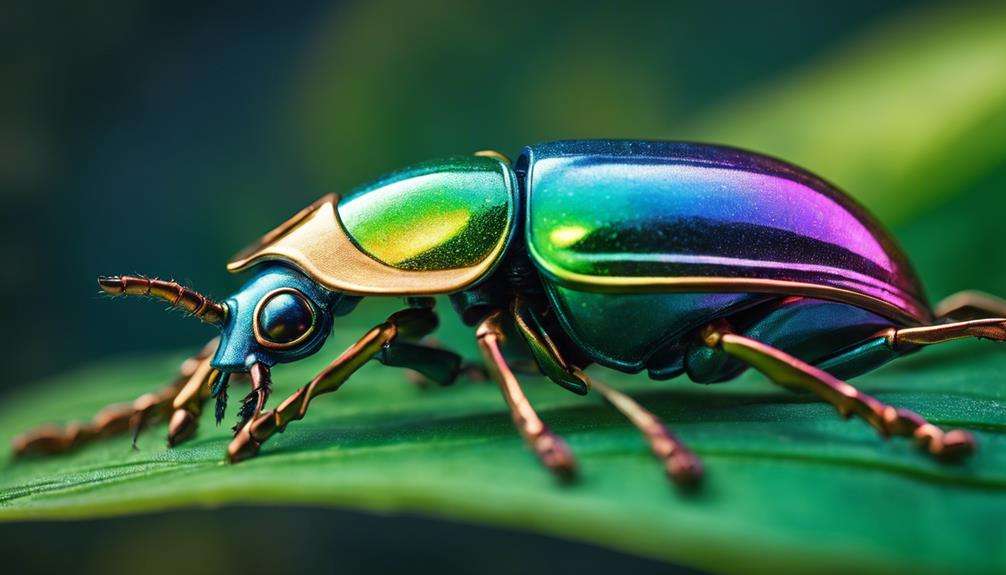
673	258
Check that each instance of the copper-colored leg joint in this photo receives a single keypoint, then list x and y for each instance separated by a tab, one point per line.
263	426
252	435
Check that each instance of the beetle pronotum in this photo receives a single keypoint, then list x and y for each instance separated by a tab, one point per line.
705	260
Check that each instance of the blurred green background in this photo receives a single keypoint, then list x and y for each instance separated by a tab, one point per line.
160	137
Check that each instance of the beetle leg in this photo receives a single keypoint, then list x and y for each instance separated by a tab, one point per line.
991	328
546	353
682	466
254	402
971	304
790	372
188	404
117	418
428	362
551	449
407	323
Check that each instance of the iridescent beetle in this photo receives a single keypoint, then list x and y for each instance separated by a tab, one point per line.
667	257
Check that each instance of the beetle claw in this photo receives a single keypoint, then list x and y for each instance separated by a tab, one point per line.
953	445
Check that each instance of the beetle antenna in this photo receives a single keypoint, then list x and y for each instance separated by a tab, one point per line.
177	295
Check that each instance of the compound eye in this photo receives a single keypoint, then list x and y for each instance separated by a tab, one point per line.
284	318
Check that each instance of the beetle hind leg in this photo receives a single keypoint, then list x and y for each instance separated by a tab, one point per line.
118	418
963	315
989	328
793	373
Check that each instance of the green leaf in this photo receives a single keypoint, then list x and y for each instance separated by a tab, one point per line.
788	481
908	115
956	246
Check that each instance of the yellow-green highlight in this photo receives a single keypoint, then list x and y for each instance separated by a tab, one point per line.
438	215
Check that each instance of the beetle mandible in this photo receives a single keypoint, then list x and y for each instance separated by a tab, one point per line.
704	260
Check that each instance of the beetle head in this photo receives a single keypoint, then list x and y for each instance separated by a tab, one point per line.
278	316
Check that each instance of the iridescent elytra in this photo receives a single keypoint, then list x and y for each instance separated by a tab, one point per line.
673	258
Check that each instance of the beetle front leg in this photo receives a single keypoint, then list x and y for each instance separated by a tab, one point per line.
187	405
791	372
551	449
118	418
408	323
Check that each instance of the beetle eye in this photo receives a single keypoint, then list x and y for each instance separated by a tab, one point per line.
284	318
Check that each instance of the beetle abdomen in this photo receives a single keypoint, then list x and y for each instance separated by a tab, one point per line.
630	217
624	331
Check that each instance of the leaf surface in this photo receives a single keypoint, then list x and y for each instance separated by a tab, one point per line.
788	480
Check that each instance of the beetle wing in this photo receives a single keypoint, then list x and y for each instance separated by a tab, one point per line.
630	217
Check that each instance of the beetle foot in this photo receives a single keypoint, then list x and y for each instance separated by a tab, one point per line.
249	439
946	445
46	440
182	426
682	466
555	454
243	446
684	469
957	444
952	445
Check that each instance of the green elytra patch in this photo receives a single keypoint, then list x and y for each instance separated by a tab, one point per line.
787	479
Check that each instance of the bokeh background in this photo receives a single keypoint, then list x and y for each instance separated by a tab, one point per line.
161	137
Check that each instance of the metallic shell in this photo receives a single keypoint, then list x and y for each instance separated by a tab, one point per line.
658	217
440	215
435	228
